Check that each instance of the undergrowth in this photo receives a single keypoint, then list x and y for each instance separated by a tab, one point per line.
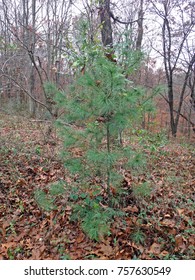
153	216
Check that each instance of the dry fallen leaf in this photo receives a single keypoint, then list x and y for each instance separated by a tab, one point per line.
168	216
164	253
180	243
107	250
80	238
8	245
68	208
168	223
132	209
137	246
5	246
155	249
21	182
180	211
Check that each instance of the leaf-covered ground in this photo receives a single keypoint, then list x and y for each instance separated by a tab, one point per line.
158	224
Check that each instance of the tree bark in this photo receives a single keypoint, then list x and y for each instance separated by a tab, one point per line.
140	26
32	42
106	32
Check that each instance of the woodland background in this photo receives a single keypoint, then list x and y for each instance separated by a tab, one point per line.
40	42
53	57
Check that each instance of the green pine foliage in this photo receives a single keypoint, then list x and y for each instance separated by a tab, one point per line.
44	201
46	198
99	108
100	104
95	220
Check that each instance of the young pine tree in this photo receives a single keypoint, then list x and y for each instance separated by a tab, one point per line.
98	107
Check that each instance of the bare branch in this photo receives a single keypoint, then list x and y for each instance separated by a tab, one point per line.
116	19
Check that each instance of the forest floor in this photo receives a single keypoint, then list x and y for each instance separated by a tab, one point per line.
159	224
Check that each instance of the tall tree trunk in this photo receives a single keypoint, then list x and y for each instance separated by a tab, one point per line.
32	42
140	26
32	103
173	124
105	18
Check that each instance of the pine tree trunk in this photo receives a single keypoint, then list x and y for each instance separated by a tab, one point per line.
108	162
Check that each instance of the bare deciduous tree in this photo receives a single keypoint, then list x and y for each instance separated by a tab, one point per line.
177	25
33	33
